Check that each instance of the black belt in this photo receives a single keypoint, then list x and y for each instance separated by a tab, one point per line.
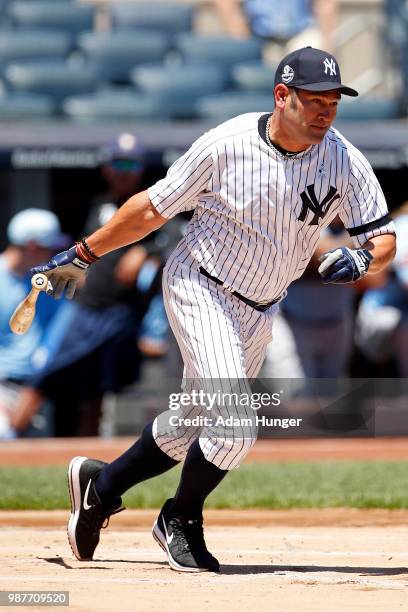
255	305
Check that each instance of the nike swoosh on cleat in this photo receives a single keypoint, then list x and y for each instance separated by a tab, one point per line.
169	539
85	504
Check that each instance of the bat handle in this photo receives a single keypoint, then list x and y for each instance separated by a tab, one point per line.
39	282
23	315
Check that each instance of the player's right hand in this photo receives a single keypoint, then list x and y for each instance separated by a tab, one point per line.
64	271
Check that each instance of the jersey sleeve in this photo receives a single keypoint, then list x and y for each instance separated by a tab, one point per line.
364	211
186	178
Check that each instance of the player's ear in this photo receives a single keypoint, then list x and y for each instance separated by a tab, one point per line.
281	93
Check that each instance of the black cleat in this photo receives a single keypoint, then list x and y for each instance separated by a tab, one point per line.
88	515
183	542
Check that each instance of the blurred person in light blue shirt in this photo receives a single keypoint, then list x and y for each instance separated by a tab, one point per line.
382	320
281	20
290	24
32	234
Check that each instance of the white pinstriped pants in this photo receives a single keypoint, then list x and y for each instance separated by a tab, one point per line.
223	342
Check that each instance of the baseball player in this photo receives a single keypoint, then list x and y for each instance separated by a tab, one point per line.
262	186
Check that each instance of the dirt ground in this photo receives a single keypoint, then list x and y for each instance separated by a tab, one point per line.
265	566
299	560
59	451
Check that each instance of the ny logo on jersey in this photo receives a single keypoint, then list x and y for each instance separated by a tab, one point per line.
329	65
319	209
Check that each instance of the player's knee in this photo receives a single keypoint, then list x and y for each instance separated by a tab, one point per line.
227	453
175	443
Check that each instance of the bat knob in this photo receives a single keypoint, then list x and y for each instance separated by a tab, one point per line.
39	282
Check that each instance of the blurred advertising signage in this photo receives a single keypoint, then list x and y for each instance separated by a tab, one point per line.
55	157
386	158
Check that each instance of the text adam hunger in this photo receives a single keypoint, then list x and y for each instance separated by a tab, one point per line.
206	421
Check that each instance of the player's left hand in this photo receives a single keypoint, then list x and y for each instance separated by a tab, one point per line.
344	265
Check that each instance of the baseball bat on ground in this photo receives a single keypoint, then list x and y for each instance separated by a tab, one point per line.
23	315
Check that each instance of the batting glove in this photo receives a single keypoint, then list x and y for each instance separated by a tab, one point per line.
344	265
65	270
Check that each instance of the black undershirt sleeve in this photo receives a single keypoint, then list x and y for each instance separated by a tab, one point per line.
361	229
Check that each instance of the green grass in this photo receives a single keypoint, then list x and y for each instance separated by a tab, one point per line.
381	484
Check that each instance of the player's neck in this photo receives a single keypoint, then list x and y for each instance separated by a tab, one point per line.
282	140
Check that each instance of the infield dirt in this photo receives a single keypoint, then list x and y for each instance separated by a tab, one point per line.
311	563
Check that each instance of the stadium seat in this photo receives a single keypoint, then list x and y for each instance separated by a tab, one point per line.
4	4
53	78
113	54
369	110
231	104
71	17
253	76
113	105
17	46
25	106
167	17
221	51
179	86
396	32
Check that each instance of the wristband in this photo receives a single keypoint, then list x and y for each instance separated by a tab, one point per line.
84	252
89	250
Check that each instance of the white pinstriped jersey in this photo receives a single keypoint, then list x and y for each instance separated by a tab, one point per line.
258	213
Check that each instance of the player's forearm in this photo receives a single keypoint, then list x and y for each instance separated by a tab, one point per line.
133	221
232	18
383	249
326	12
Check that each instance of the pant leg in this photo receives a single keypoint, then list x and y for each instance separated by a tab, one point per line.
223	343
226	447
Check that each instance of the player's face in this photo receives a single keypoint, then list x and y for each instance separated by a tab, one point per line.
309	114
123	180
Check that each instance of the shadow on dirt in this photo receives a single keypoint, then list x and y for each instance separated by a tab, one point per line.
246	569
273	569
90	564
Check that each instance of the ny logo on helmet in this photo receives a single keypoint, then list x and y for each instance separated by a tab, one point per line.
329	65
319	209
